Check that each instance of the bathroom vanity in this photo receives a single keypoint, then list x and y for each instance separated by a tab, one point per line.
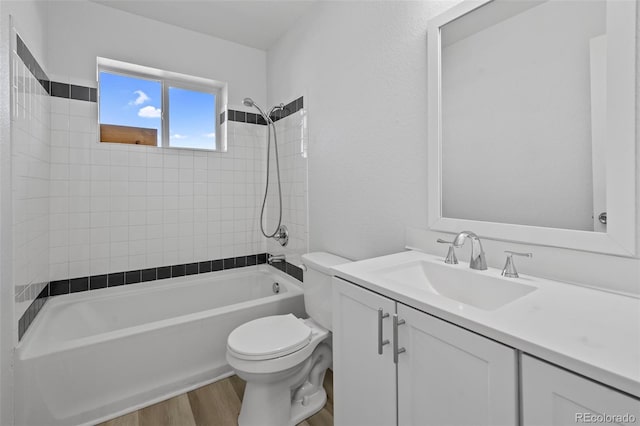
421	342
415	344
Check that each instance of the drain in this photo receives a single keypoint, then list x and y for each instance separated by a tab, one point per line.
276	288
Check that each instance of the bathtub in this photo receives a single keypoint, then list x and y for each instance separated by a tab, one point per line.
92	356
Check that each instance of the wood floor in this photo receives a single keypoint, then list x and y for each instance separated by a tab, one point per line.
217	404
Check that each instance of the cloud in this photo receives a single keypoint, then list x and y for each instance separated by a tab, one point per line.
210	135
142	98
149	112
179	136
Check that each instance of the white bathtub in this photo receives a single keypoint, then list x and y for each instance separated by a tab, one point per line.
92	356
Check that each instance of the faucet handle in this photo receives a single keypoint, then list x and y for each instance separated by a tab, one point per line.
509	269
451	258
441	241
517	253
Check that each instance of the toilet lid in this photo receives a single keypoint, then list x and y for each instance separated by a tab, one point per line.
269	337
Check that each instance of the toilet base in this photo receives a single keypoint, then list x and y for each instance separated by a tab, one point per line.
265	407
288	397
312	404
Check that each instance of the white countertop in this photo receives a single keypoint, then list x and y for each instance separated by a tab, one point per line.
593	333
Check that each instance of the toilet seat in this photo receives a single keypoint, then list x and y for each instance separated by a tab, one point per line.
269	337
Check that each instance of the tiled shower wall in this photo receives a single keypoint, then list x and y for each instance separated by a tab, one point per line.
292	147
30	164
117	207
83	208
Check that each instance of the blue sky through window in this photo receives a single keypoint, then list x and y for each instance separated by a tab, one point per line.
192	119
130	101
137	102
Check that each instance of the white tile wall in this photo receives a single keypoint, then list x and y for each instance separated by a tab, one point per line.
30	153
293	136
118	207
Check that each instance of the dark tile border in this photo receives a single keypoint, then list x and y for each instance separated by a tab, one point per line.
95	282
60	90
78	284
30	314
150	274
32	64
98	281
289	269
132	277
218	265
178	270
163	272
80	93
295	272
114	279
53	88
72	91
59	287
251	118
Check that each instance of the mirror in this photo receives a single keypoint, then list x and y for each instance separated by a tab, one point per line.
532	127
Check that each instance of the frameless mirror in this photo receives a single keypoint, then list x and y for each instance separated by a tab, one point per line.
532	122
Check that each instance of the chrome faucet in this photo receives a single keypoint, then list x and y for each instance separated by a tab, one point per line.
478	260
509	269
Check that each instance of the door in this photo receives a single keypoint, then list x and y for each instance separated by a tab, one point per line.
450	376
552	396
364	380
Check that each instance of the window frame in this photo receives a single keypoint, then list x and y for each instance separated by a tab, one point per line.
168	79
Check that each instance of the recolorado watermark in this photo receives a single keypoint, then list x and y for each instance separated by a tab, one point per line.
591	418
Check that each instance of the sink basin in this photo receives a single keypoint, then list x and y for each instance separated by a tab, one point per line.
474	288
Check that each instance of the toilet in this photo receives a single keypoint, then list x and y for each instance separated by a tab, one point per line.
282	358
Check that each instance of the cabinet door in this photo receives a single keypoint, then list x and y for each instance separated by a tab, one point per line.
552	396
364	381
451	376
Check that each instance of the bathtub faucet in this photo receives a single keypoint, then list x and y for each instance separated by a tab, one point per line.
276	258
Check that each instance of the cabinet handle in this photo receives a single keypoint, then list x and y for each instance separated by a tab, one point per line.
381	342
396	351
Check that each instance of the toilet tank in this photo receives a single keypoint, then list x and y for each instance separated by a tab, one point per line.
318	287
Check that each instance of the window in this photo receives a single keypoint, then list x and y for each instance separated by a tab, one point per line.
146	106
192	118
130	109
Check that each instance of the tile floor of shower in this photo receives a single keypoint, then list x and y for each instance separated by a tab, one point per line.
217	404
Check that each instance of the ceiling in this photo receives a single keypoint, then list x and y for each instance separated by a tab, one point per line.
257	24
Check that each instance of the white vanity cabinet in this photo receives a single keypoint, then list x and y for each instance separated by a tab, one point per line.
555	397
441	374
364	386
451	376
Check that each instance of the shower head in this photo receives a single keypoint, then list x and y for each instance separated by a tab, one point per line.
249	102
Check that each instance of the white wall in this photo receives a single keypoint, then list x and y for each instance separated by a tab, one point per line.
80	30
362	67
30	19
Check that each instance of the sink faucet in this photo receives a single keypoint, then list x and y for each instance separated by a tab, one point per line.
478	260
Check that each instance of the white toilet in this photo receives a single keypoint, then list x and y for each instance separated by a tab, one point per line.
283	358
